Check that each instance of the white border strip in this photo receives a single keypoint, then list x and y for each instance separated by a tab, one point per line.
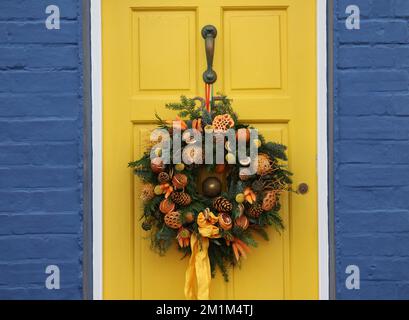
322	149
322	158
96	77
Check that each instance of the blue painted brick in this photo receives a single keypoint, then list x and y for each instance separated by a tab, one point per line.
379	268
373	221
374	244
375	32
373	81
376	290
34	32
39	81
401	8
40	293
385	103
40	223
18	201
38	177
373	128
40	105
362	175
374	152
39	154
23	274
29	9
370	198
18	247
373	57
37	130
39	56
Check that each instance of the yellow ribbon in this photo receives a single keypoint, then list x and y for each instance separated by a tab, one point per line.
198	274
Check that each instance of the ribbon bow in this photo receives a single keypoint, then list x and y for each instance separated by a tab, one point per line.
198	274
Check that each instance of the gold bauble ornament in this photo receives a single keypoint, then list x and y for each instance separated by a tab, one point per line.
212	187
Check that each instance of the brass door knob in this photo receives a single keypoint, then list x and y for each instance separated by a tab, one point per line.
302	188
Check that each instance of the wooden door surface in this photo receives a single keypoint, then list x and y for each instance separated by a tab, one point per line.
265	58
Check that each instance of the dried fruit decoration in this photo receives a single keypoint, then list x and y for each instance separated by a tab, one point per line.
222	123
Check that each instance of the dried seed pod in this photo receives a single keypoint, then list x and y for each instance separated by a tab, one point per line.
173	220
270	200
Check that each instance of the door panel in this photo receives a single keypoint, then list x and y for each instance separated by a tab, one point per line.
265	59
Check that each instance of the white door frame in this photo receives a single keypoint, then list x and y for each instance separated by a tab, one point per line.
322	157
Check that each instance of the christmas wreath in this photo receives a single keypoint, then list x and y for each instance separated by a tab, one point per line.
211	211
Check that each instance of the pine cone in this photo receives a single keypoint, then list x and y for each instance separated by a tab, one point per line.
163	177
147	192
255	210
181	198
222	205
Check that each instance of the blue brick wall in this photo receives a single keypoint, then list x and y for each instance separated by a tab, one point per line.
40	149
372	148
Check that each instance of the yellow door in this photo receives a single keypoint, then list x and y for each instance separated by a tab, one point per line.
266	61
